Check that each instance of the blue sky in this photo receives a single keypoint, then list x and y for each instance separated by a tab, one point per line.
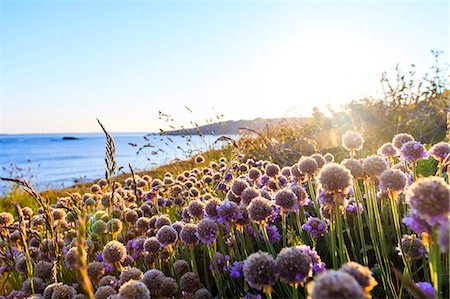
66	63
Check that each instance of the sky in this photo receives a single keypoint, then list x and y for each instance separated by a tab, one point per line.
66	63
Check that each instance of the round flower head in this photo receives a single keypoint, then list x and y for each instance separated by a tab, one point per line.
335	178
387	150
401	139
134	290
199	159
44	270
412	151
142	224
71	257
329	158
152	245
272	170
248	194
167	235
412	247
38	285
99	227
307	165
316	227
211	207
361	274
114	226
416	224
114	252
374	165
319	160
286	200
153	278
429	197
227	212
202	294
286	171
168	287
62	291
162	220
335	284
352	141
190	282
260	270
207	230
130	273
196	209
254	173
354	166
238	186
393	180
301	194
95	270
427	289
108	280
294	266
131	216
6	219
441	152
188	234
259	210
180	267
295	172
104	292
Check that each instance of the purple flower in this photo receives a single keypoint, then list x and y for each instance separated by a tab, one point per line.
228	176
236	269
427	288
228	212
417	224
272	233
316	227
412	151
318	265
352	207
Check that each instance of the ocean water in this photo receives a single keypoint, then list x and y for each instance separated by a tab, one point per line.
49	161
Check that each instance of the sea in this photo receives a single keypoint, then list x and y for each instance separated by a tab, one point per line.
53	161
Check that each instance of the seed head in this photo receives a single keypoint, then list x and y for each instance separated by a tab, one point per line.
335	178
394	180
190	282
260	209
114	252
352	141
335	284
401	139
133	290
260	270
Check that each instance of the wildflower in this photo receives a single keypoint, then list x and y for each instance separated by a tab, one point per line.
38	285
162	221
108	280
440	151
199	159
142	224
393	180
168	287
62	291
254	174
286	200
259	209
71	257
131	216
196	209
211	207
401	139
286	171
178	226
190	282
329	158
334	178
134	289
114	226
238	186
114	252
95	270
429	197
202	294
412	151
308	166
248	194
167	235
352	141
153	278
236	270
6	219
427	289
227	212
387	150
272	233
272	170
104	292
301	194
319	160
180	267
317	265
294	266
260	271
374	165
354	166
220	261
416	224
361	274
352	206
316	227
44	270
207	231
412	247
335	284
188	234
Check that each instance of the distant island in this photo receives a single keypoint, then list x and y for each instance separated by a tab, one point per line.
70	138
234	127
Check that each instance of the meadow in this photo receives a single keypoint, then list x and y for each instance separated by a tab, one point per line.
310	210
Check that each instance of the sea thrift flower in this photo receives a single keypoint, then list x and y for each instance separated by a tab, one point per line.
286	200
259	209
153	278
427	289
393	180
202	294
412	151
335	284
167	235
352	141
168	287
134	289
440	152
316	227
196	209
207	231
301	194
387	150
238	186
293	265
361	274
354	166
260	271
180	267
228	212
254	173
308	166
272	170
190	282
401	139
412	247
335	178
211	207
374	165
188	234
430	198
114	252
104	292
152	245
129	273
248	194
